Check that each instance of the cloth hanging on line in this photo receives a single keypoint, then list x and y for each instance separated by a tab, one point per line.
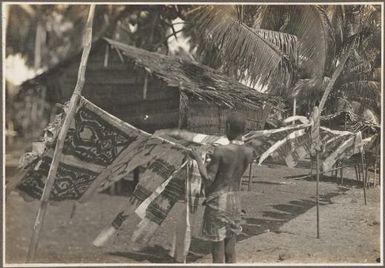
99	149
293	143
154	210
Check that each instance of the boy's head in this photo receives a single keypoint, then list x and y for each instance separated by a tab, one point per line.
235	125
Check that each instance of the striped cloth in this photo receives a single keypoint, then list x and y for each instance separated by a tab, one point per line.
289	143
315	132
293	143
222	216
345	150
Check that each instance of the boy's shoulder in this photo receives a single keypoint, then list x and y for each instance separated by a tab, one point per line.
230	147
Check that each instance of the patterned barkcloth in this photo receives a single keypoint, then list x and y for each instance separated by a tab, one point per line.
100	149
221	218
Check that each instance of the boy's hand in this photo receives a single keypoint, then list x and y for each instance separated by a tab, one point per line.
162	132
195	154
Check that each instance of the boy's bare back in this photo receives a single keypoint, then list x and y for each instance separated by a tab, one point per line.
227	166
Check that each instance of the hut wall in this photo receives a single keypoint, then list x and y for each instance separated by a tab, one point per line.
203	117
118	89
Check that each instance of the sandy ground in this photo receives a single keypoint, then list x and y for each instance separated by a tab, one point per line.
349	233
279	225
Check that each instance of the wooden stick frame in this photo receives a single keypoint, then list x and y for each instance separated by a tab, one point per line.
87	41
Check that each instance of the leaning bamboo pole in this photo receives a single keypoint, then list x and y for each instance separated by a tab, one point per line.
87	41
329	87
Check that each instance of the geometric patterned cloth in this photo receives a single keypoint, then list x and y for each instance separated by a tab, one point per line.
99	149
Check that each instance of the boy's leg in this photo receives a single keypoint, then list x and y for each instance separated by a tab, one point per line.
230	249
218	251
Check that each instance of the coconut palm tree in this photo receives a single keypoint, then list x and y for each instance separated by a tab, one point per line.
55	31
286	50
292	49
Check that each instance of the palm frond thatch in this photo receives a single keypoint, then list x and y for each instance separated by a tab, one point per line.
195	79
248	54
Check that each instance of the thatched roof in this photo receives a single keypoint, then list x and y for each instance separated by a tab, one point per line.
196	79
189	77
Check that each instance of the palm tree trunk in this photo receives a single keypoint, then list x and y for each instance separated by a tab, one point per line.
335	76
39	39
37	55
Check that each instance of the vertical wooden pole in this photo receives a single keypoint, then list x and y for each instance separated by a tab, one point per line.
182	236
187	234
294	107
317	191
329	87
250	176
342	172
145	86
366	173
363	175
375	171
311	167
355	169
61	137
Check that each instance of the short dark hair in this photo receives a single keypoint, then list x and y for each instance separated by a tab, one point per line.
235	124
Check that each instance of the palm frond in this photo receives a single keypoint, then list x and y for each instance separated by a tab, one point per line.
303	85
312	88
316	39
249	54
336	15
273	17
366	92
311	26
357	71
287	43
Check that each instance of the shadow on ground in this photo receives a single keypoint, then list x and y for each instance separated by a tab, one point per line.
154	254
269	222
333	179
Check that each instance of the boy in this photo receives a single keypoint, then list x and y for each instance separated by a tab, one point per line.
222	176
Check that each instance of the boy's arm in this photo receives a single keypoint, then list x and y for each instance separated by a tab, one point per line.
176	133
